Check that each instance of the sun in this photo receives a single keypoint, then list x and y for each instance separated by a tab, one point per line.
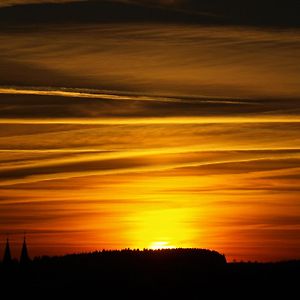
161	245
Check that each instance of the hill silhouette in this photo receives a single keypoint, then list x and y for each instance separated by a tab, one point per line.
149	274
233	12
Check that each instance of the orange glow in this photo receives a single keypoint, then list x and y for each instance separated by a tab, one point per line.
150	136
161	226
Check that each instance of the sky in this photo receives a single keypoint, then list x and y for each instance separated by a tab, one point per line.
149	134
18	2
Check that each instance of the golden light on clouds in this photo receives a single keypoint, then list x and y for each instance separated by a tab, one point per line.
151	136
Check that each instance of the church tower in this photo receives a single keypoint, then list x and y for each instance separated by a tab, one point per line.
7	255
24	258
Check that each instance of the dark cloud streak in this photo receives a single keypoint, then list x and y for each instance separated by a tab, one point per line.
268	12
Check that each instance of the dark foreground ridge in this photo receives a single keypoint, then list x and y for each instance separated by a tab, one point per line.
148	274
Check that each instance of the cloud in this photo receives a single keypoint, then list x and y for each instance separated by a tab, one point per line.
167	11
98	107
144	161
154	60
107	129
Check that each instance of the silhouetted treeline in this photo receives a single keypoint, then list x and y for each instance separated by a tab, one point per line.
150	274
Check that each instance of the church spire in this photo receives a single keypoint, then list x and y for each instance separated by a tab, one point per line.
24	258
7	255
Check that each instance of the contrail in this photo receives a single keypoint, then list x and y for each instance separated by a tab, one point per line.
113	95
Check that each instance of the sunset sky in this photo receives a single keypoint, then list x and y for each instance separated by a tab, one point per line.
149	124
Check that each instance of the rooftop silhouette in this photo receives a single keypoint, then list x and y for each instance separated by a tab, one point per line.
7	260
24	258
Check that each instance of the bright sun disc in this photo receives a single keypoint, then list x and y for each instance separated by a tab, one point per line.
161	245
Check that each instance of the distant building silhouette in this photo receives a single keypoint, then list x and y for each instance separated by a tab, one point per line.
24	258
7	260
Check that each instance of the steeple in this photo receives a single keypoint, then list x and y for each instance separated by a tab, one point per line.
7	255
24	258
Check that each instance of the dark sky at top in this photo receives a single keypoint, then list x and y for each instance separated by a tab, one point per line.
249	12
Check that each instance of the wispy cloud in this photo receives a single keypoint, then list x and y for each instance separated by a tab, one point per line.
150	59
119	135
